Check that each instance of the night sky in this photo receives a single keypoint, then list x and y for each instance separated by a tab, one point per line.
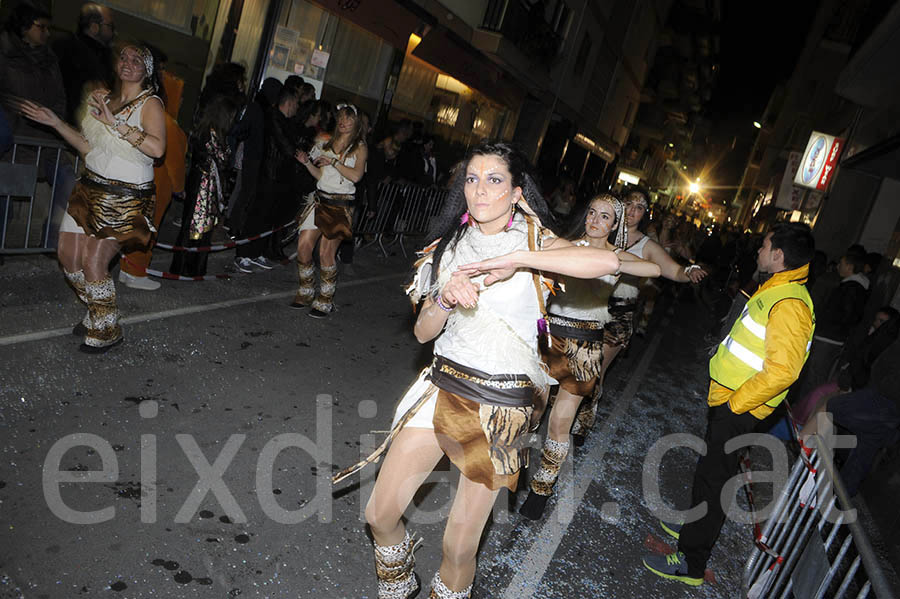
760	44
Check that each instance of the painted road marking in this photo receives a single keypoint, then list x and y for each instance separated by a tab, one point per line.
137	318
528	577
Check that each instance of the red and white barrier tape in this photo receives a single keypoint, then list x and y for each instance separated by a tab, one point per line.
221	246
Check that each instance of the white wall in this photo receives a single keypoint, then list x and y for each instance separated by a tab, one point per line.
883	219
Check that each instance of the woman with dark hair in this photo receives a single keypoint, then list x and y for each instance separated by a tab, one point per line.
482	296
337	164
624	299
204	201
112	205
574	358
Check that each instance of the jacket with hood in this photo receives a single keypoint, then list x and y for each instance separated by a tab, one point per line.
788	331
32	74
843	309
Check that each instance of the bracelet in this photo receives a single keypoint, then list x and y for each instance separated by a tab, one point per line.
142	135
333	162
441	305
689	268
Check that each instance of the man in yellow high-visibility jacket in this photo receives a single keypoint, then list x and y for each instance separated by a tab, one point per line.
750	374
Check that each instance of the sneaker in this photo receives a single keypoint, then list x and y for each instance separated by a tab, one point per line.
262	262
672	528
244	265
673	567
315	313
144	283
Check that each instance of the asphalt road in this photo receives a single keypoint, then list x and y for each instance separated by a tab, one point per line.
213	430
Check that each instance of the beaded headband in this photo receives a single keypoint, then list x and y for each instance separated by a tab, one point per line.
619	209
145	55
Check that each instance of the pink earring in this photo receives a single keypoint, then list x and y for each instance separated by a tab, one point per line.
511	216
464	219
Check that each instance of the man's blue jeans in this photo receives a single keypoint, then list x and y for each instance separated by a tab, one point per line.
874	419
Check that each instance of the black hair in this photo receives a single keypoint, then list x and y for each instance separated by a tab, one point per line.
873	260
575	227
159	58
855	260
637	190
23	17
795	240
88	15
225	78
286	93
295	83
308	89
446	227
217	115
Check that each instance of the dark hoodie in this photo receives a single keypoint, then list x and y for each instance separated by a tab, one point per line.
32	74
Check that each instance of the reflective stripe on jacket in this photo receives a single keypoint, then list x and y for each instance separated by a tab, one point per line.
767	346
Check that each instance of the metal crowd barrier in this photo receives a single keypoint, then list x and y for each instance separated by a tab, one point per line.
399	211
807	548
22	230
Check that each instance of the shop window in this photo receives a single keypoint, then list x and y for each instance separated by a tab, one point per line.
193	17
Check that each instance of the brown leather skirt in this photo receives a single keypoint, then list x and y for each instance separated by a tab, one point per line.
568	367
334	218
458	427
108	208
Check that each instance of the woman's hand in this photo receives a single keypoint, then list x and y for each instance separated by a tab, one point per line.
496	269
460	290
322	161
38	113
99	108
302	157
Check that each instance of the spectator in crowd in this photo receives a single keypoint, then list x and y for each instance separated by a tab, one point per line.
225	79
85	57
872	414
384	163
842	311
427	172
870	267
168	175
204	197
250	135
124	132
29	71
853	369
562	200
275	178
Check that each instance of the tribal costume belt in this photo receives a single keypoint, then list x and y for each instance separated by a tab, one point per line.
572	328
505	390
337	200
116	187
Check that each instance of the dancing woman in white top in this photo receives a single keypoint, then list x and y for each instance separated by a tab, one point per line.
624	299
112	204
337	163
482	291
577	319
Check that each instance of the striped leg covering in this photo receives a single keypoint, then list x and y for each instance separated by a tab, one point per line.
394	566
306	292
441	591
552	458
327	287
105	329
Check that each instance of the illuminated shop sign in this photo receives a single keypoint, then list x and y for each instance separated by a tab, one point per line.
819	161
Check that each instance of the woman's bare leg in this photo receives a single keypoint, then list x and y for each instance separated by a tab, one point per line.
97	255
411	458
562	415
470	511
306	243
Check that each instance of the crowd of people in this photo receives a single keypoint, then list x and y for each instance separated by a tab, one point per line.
519	292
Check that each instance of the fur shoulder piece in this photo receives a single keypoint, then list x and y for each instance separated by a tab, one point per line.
420	287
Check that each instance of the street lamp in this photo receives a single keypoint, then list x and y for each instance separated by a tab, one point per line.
757	124
694	187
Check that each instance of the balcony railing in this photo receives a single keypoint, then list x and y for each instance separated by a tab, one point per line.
525	27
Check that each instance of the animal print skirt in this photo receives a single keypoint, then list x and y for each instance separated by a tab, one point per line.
107	208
